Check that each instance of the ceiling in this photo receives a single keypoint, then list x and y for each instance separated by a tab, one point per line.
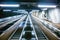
30	4
30	0
35	1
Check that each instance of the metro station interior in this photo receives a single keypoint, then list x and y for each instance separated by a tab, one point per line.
29	19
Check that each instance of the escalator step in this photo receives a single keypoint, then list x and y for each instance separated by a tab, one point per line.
14	39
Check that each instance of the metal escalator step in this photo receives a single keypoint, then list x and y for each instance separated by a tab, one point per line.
42	35
42	39
14	39
16	35
28	28
30	39
33	39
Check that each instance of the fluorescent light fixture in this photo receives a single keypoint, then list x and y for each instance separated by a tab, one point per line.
9	5
6	10
47	6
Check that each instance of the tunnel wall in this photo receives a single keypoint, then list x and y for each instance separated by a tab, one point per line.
7	14
54	15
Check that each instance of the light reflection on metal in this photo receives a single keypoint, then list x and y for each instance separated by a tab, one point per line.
5	10
21	11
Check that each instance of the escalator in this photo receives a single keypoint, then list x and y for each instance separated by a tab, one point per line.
6	27
52	27
28	32
9	19
28	28
39	32
17	33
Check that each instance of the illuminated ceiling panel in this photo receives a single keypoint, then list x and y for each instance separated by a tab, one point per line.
9	5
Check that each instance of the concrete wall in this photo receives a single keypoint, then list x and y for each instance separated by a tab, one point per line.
54	15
